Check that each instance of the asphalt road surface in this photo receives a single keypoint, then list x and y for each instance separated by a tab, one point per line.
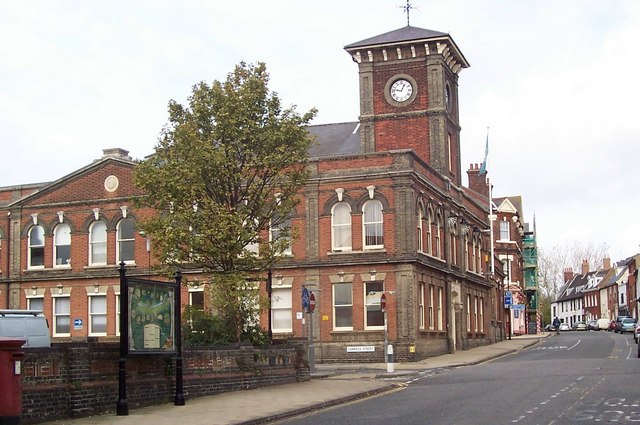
572	378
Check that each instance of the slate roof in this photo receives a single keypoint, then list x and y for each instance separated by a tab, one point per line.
335	139
402	34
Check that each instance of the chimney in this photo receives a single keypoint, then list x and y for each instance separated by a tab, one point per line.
568	274
116	153
477	182
606	263
585	267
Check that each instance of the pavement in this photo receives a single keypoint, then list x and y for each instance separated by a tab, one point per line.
330	384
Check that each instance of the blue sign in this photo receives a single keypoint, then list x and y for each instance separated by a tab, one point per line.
517	307
305	298
508	298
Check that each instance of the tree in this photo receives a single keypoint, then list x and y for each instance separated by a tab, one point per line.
553	261
227	168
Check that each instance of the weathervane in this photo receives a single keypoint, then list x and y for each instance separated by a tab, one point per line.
407	9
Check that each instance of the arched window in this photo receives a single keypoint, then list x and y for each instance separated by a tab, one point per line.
373	229
429	231
419	233
62	245
98	243
36	247
454	244
479	257
439	230
341	227
125	248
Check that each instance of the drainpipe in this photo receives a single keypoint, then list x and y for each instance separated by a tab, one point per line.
8	249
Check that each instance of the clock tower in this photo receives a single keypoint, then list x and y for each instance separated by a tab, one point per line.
409	95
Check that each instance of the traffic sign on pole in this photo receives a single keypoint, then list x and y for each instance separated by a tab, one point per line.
305	298
312	302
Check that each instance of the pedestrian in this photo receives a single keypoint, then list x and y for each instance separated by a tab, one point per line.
556	324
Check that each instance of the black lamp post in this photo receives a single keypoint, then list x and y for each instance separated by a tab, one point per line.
269	292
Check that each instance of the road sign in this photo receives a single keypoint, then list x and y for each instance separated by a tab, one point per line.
312	302
305	298
508	298
383	302
517	306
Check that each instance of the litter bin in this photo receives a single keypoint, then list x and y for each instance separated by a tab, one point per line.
11	356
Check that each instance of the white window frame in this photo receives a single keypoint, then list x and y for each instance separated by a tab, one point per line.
57	243
475	313
375	224
93	314
429	232
120	240
282	305
438	252
372	300
481	315
419	230
432	310
338	225
421	309
55	300
93	244
274	233
117	312
505	230
30	299
32	246
345	305
468	313
440	312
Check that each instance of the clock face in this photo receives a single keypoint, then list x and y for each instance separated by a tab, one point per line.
401	90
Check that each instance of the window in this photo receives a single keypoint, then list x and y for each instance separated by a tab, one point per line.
196	298
449	153
36	247
372	225
481	314
438	229
126	241
419	234
440	312
61	316
374	317
475	314
117	314
277	232
97	315
341	227
432	317
467	262
454	246
468	313
35	303
504	231
98	243
342	306
429	232
281	310
421	311
62	245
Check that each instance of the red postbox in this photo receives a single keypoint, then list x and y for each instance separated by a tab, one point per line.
11	356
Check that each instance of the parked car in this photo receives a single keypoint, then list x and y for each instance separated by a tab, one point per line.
636	333
549	328
628	324
612	326
30	325
618	322
603	324
592	325
579	326
564	327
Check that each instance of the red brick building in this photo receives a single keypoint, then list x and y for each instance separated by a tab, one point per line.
383	212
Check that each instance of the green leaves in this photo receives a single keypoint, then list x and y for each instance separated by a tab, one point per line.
216	171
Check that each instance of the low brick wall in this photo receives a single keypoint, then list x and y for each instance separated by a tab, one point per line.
75	380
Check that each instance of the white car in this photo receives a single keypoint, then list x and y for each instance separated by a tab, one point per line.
564	327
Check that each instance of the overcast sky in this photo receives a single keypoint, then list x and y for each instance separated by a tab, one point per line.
556	81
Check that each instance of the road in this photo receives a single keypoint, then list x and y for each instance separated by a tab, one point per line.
572	378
